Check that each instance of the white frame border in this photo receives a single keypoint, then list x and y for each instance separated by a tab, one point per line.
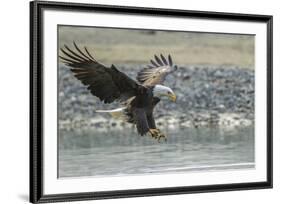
52	185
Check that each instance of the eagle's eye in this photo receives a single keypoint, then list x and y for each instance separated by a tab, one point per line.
169	92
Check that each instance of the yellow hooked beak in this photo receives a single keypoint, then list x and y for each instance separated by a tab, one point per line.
172	97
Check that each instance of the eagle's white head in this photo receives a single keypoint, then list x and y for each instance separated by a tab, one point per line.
164	91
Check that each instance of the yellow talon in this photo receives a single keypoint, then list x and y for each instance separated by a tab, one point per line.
157	134
162	136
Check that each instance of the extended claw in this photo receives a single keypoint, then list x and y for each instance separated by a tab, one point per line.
157	134
162	136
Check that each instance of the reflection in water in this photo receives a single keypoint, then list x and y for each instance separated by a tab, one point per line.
91	153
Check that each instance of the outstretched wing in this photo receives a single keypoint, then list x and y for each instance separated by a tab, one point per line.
157	71
108	84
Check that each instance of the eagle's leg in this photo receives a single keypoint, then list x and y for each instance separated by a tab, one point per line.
154	133
157	134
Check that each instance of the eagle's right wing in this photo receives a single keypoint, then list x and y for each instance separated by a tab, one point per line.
157	71
107	83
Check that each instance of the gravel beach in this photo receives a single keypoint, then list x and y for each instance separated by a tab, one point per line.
207	95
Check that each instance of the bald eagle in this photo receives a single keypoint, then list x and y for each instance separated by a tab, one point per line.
138	97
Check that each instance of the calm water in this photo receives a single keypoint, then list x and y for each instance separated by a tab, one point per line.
92	153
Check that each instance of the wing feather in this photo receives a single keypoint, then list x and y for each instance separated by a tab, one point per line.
107	83
158	60
75	54
157	72
89	54
170	60
70	56
163	59
154	63
82	53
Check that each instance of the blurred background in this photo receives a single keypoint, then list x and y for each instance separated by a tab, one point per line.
120	46
210	127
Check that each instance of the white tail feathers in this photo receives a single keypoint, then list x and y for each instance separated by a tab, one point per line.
117	113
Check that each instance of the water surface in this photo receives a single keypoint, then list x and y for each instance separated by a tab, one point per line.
93	153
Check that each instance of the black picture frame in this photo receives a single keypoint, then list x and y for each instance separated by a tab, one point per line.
36	101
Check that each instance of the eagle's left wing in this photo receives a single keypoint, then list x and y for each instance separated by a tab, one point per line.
156	72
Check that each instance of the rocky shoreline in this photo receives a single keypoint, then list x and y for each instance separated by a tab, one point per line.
219	96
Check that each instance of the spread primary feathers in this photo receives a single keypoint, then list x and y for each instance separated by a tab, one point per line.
109	84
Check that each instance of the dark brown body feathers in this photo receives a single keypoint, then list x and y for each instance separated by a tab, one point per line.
109	84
